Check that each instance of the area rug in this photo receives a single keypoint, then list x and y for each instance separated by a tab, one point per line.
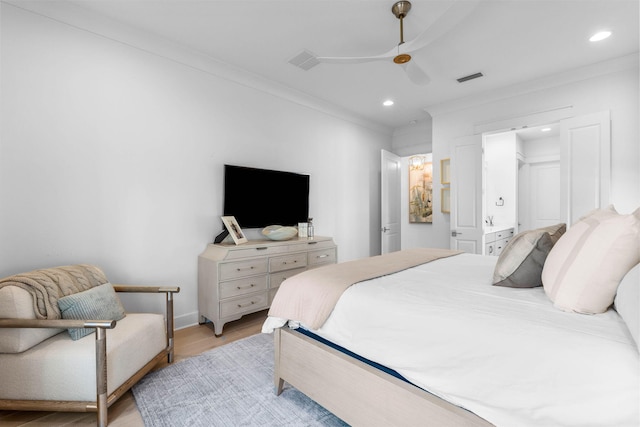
228	386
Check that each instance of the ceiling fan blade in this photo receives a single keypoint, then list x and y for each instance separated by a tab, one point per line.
449	19
354	59
415	73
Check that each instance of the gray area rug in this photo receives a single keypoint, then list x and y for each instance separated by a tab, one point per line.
228	386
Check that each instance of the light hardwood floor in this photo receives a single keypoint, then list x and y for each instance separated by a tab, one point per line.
189	342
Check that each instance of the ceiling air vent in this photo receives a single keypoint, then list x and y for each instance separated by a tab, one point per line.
469	77
305	60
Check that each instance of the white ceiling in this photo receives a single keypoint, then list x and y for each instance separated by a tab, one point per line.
509	41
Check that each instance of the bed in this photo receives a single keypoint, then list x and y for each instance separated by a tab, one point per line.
438	343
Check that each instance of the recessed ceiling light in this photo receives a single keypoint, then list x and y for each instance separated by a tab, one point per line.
388	103
599	36
545	129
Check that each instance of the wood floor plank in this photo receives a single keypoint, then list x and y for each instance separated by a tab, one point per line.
189	342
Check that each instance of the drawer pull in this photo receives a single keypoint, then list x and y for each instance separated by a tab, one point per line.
322	256
312	243
245	287
285	262
262	248
245	268
246	305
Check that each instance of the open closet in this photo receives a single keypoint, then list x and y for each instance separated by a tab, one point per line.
537	173
521	182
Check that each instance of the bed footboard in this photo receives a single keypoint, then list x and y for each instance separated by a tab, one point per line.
354	391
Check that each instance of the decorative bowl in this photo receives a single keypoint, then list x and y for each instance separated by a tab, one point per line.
278	232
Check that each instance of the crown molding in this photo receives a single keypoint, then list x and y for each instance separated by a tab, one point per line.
627	62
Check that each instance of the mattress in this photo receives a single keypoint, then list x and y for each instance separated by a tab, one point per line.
505	354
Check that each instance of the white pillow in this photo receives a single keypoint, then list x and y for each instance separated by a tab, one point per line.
627	302
583	269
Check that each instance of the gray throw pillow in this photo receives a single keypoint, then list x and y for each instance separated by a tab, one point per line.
555	231
520	262
98	303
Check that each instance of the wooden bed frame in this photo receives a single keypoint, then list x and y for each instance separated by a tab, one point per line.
356	392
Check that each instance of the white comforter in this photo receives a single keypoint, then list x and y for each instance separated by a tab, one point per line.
505	354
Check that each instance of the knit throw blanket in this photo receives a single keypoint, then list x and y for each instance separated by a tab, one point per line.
49	284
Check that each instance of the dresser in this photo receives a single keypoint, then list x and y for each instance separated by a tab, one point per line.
496	238
238	280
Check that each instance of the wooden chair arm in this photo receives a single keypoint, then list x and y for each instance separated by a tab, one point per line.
168	291
57	323
146	289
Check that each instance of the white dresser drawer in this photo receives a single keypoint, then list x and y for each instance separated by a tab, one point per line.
501	244
243	286
287	262
322	256
312	245
236	270
246	304
504	234
256	251
276	279
490	249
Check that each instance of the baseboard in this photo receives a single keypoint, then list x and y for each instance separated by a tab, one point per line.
186	320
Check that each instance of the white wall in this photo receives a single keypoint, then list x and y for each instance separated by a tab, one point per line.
612	86
499	182
414	138
112	154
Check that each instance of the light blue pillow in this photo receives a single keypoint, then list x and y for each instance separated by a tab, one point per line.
97	303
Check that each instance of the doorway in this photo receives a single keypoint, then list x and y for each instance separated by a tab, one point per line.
522	177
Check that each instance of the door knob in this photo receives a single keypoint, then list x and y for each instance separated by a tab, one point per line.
385	229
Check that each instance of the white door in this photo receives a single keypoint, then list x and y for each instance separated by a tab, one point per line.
466	194
390	201
585	164
544	196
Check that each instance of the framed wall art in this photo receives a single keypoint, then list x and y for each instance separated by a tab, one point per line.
445	200
445	171
420	190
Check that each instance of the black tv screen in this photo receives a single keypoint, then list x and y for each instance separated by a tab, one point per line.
261	197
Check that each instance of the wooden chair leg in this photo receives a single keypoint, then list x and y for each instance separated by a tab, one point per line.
170	326
101	376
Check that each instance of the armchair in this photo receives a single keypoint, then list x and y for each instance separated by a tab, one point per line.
43	368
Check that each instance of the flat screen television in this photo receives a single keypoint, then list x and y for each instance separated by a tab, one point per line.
261	197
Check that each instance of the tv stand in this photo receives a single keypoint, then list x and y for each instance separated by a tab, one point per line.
234	280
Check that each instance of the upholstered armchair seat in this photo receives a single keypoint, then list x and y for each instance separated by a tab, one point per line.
60	369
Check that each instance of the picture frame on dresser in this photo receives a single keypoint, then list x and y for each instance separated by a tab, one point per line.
234	229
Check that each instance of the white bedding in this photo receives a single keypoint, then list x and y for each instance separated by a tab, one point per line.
505	354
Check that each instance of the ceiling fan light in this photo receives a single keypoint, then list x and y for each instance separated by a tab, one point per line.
403	58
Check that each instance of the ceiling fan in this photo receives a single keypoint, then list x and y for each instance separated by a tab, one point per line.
400	54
